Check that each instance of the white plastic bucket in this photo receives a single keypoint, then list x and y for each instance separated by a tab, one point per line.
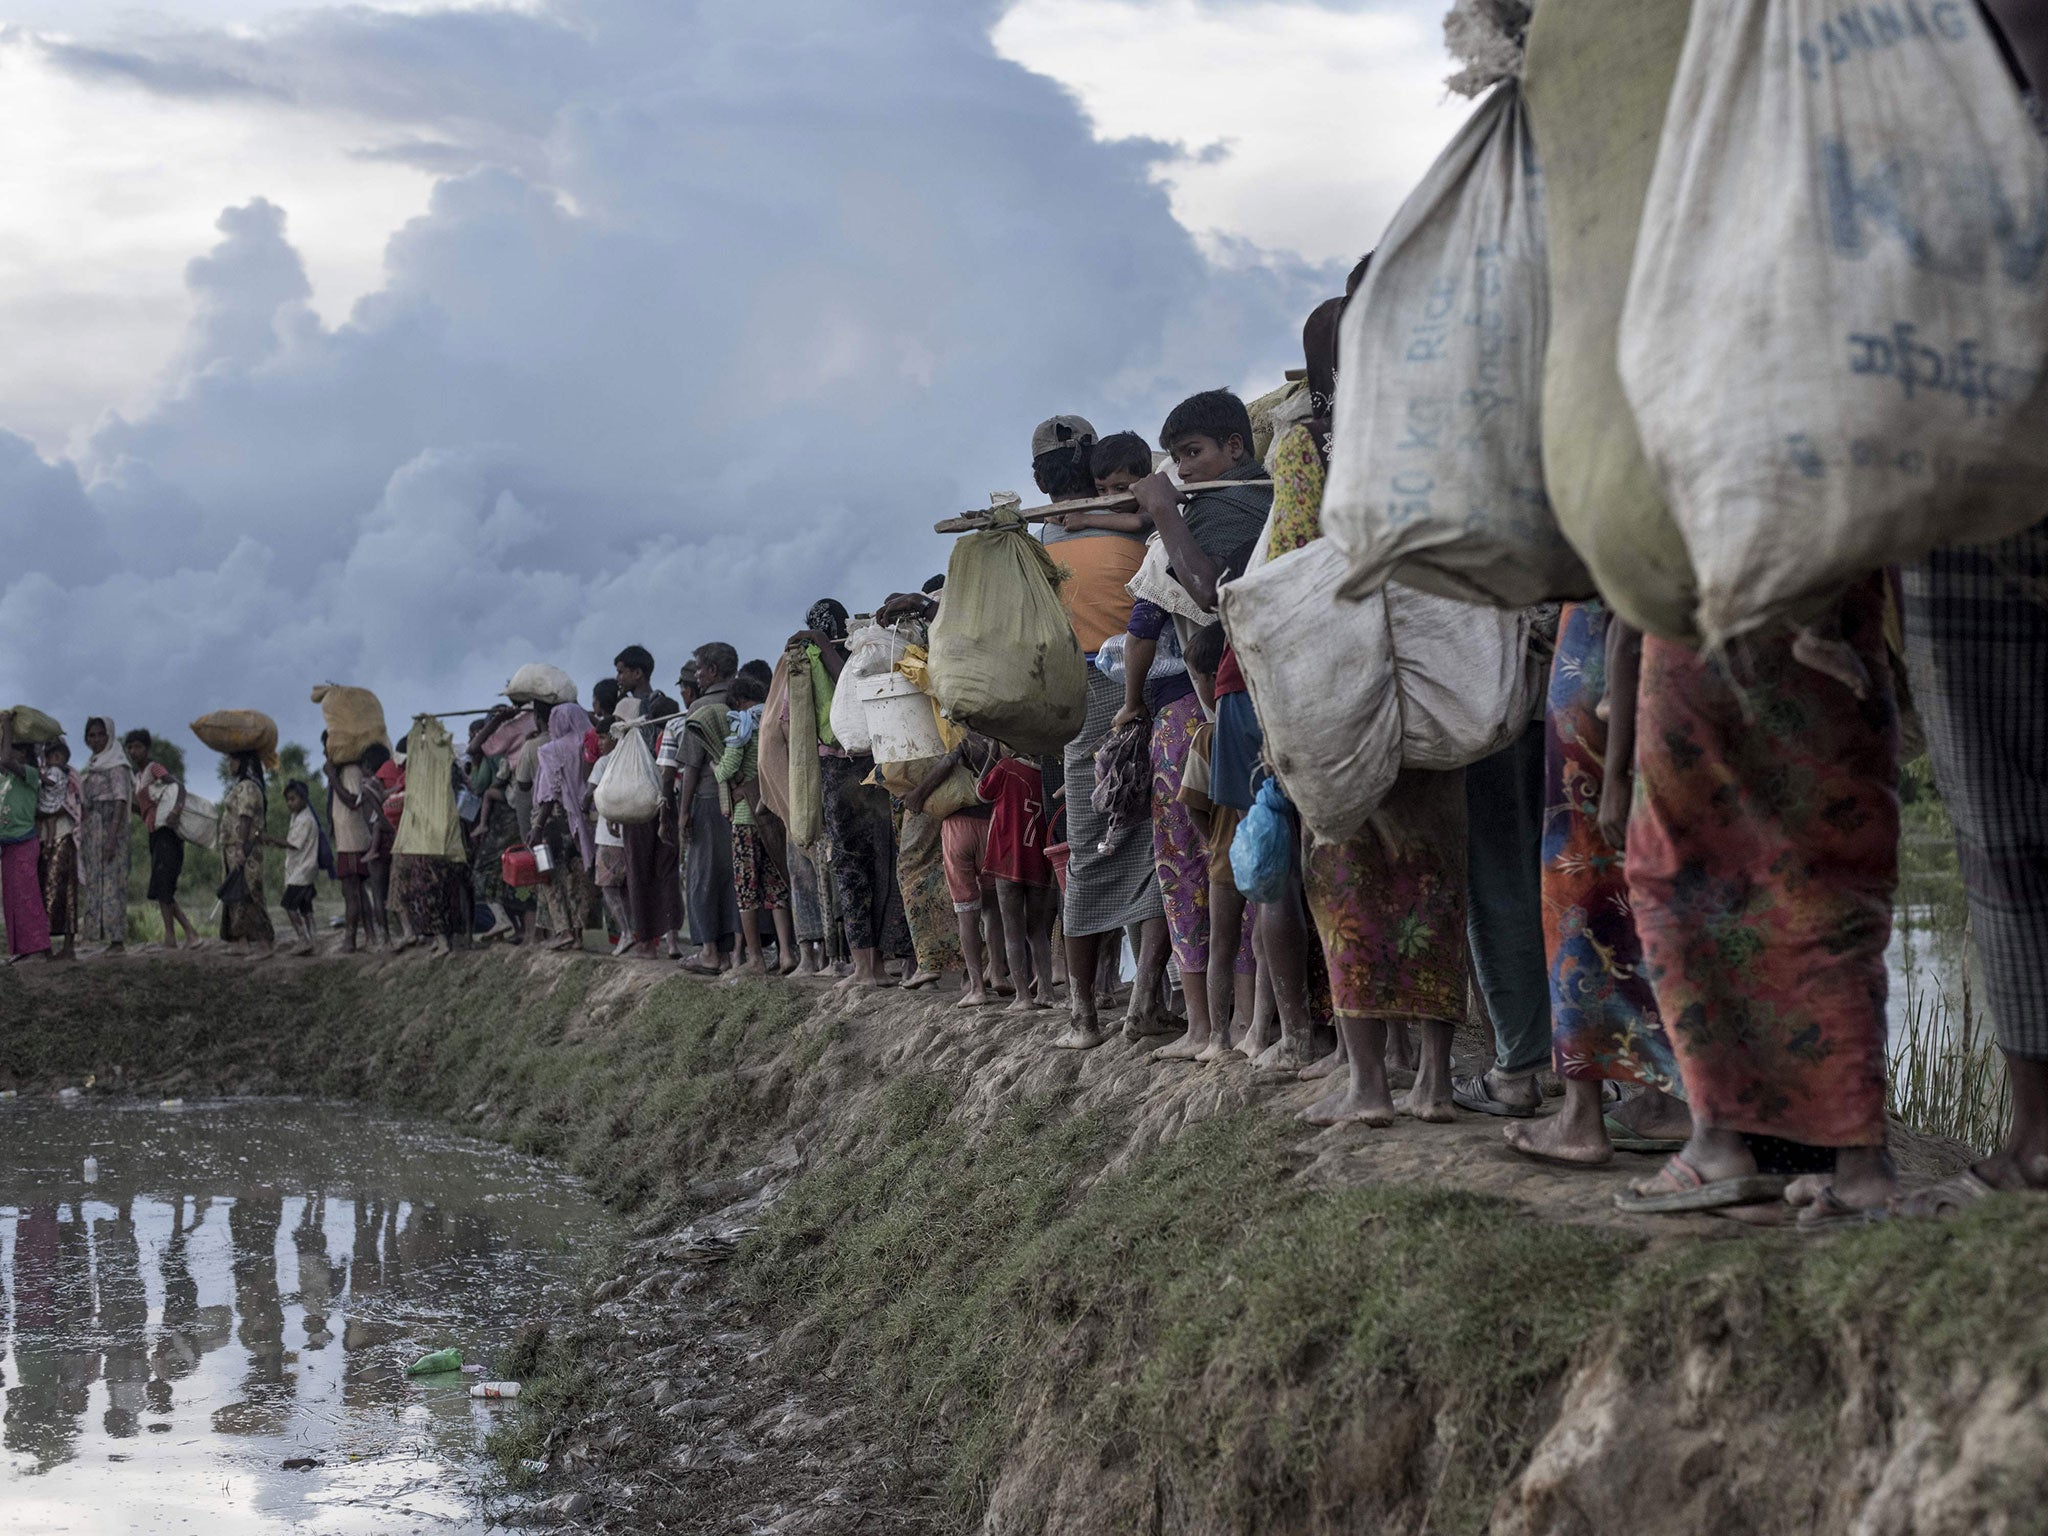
901	723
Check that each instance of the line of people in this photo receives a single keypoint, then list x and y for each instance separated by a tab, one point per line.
1674	887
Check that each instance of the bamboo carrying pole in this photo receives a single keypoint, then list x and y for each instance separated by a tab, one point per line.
1123	501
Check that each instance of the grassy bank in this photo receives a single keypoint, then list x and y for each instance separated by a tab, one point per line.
1203	1340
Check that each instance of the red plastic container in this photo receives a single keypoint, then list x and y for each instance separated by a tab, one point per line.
1056	855
519	869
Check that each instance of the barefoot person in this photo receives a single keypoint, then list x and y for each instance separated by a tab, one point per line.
244	916
1604	1024
1106	892
159	800
21	892
60	807
107	783
561	790
757	880
301	864
1209	437
705	825
1762	860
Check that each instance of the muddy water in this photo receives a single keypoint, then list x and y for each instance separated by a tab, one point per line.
244	1283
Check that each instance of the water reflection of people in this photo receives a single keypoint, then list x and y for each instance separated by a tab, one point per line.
268	1389
123	1318
320	1278
52	1315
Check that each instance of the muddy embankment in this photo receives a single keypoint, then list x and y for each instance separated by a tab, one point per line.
899	1268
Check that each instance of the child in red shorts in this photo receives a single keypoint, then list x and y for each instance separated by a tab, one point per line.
1026	894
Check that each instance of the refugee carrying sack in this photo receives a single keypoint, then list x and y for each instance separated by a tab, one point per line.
354	719
229	731
1436	466
428	827
1837	326
539	683
198	823
1004	660
33	728
806	817
1596	79
630	792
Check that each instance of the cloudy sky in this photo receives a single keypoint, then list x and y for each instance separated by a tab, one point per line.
403	343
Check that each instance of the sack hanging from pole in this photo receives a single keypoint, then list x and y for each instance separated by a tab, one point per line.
806	817
1004	660
1837	325
1436	467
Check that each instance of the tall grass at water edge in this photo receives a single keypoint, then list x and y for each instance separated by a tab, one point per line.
1947	1076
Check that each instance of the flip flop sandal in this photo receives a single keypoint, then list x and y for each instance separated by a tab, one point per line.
1828	1209
1476	1094
1950	1197
1625	1139
1690	1191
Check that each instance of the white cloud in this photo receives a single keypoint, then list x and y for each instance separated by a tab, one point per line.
1299	126
721	308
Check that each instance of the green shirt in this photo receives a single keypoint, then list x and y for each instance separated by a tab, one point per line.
739	765
18	788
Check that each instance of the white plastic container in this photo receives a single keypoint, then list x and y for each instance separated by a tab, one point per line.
495	1389
902	726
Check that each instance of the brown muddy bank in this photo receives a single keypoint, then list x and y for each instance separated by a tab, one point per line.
899	1268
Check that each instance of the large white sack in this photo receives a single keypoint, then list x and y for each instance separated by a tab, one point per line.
1838	316
1350	693
1321	674
1468	683
871	650
630	791
1436	467
537	682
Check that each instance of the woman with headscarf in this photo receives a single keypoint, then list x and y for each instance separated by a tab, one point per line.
859	821
107	785
244	811
561	790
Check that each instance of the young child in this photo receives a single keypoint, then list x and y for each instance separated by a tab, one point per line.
610	841
757	880
1027	897
159	812
301	863
1118	462
60	810
964	842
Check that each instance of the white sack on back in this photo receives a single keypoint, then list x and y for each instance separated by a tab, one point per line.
1436	467
1321	674
630	791
871	650
1838	315
1468	684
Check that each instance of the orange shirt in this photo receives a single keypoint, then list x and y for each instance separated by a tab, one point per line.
1099	563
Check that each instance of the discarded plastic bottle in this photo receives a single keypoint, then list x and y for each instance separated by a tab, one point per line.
92	1170
495	1389
432	1365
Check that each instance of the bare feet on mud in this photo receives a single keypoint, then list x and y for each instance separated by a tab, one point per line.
1288	1056
1084	1035
1346	1105
1186	1048
1324	1066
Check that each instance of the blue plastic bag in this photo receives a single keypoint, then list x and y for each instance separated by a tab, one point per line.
1263	850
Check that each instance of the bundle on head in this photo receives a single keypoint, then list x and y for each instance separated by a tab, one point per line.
1486	36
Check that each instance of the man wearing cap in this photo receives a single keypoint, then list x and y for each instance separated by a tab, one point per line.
1106	893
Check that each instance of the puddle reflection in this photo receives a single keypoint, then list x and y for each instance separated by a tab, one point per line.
245	1283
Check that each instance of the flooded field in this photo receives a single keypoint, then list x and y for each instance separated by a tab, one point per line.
192	1296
